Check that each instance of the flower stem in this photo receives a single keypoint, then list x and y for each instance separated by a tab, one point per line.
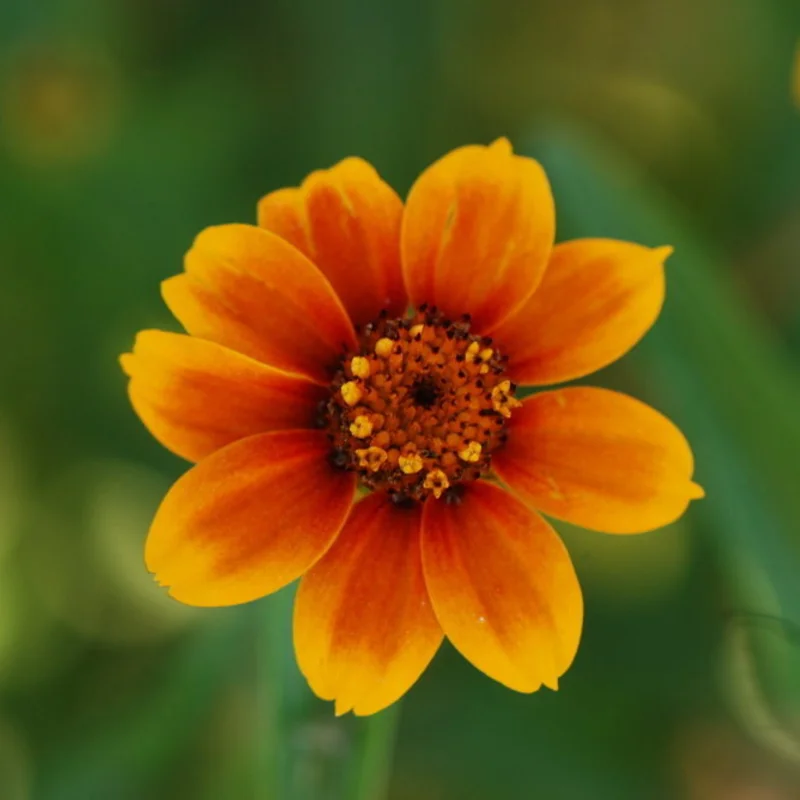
273	631
371	769
303	751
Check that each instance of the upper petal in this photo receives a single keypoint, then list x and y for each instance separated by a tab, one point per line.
249	290
502	586
347	221
196	396
364	630
598	297
477	232
248	519
598	459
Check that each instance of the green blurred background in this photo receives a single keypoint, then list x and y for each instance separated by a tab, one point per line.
126	126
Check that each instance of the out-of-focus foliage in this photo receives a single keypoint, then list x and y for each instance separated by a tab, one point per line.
126	126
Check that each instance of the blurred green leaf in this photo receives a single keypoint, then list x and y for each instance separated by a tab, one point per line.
763	675
123	755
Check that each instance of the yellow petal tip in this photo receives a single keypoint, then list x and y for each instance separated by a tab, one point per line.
696	491
126	363
340	708
663	252
501	144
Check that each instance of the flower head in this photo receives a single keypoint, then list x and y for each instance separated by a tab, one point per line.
304	375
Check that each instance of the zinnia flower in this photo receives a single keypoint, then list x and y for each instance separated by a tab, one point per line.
304	377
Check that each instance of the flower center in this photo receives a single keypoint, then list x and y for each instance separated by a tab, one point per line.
419	407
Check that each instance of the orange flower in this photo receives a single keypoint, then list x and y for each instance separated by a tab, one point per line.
304	375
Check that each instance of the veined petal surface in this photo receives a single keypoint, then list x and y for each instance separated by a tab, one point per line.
599	459
364	629
249	290
196	396
503	587
347	221
249	519
477	233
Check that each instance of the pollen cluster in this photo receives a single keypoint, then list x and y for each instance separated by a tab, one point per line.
419	407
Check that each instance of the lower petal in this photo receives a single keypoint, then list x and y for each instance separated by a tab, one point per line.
599	459
196	396
502	586
364	630
248	519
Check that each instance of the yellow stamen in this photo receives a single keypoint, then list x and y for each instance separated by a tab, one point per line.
410	463
502	399
361	427
372	458
476	355
383	347
471	453
359	366
416	330
437	482
351	393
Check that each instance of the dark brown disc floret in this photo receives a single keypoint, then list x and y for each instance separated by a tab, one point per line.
420	406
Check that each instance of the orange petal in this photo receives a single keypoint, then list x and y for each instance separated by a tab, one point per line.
364	630
598	297
249	290
502	586
598	459
347	221
248	519
477	232
196	396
